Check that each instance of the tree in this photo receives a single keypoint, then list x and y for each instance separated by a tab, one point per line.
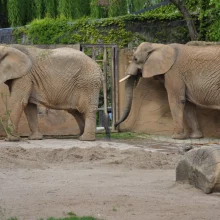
3	13
50	8
84	7
66	8
74	9
181	5
99	8
117	8
16	12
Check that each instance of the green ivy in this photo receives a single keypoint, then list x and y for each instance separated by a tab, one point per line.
209	20
65	31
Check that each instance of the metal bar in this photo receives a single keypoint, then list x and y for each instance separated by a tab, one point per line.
152	7
98	45
116	85
93	53
99	60
105	81
114	77
113	88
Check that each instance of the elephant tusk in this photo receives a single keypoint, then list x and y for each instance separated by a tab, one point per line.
123	79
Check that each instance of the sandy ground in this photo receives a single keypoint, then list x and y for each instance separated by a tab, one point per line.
116	180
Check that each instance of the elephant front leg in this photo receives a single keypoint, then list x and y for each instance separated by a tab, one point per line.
13	121
177	110
31	114
90	125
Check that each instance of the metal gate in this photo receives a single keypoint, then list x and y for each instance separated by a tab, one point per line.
107	56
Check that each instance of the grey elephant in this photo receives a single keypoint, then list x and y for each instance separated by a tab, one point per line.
191	76
62	79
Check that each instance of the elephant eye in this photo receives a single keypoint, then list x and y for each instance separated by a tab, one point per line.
3	57
135	59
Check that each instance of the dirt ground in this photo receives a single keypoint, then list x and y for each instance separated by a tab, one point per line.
113	180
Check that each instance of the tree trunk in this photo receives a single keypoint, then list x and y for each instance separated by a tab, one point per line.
180	4
201	167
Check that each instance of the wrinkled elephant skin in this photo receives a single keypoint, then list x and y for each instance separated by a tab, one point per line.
191	75
62	79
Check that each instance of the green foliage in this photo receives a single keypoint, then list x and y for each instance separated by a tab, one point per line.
213	33
3	13
209	20
66	8
16	12
74	9
97	10
50	8
117	8
64	31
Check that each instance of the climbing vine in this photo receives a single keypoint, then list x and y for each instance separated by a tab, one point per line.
65	31
209	20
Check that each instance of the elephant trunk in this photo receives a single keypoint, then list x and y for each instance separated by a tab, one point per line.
129	86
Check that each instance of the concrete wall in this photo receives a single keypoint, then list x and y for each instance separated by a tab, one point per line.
150	111
51	122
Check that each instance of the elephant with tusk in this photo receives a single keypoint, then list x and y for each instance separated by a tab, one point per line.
62	79
191	76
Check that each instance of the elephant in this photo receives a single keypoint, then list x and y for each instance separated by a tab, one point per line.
61	79
191	76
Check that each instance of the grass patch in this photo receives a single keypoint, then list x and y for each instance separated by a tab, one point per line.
72	218
64	218
124	135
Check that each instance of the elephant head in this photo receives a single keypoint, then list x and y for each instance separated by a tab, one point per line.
148	60
13	63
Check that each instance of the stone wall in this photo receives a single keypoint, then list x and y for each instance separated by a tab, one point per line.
150	112
160	31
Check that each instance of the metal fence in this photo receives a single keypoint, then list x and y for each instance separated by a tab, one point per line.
107	56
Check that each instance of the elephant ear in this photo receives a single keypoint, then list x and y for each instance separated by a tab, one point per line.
13	63
159	62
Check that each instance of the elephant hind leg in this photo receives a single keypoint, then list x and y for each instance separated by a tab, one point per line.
79	119
191	118
31	114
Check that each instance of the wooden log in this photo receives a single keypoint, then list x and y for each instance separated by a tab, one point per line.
201	167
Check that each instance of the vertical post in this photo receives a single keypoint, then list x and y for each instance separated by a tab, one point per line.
113	87
116	85
93	53
105	81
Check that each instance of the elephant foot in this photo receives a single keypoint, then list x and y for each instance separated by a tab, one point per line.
180	136
196	135
36	136
87	137
12	138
